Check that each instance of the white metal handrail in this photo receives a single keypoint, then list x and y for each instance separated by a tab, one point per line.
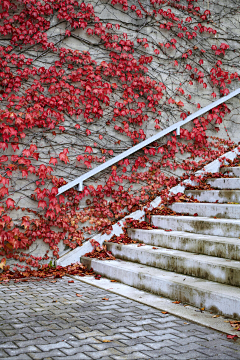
79	181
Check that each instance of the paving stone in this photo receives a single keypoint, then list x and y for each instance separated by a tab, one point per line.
161	353
79	356
90	328
58	345
134	348
13	352
19	357
135	355
99	354
46	354
8	345
160	344
77	350
189	355
104	345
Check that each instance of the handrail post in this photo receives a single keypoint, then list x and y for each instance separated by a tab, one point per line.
178	130
80	186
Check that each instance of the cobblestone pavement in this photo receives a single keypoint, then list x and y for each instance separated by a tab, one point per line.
47	320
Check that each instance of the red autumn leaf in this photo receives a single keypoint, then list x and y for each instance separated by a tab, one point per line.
89	149
42	204
53	161
105	298
70	281
79	295
63	156
232	337
10	202
3	158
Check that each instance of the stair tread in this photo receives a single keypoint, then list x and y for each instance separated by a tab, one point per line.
208	204
214	238
181	255
169	276
198	218
213	190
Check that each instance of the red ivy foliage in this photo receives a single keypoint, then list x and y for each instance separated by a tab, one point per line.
73	95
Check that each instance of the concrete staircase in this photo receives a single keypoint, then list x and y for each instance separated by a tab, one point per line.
197	262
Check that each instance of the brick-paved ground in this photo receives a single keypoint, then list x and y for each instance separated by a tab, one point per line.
46	320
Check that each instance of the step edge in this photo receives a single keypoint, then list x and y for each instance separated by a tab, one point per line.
183	255
226	287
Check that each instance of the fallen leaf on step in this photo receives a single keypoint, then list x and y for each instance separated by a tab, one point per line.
215	316
106	341
164	312
79	295
154	248
140	245
105	298
70	281
176	302
113	280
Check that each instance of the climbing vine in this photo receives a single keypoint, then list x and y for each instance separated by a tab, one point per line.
81	82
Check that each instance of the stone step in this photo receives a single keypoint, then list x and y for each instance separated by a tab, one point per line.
205	267
211	196
220	298
228	248
231	170
225	183
227	211
198	225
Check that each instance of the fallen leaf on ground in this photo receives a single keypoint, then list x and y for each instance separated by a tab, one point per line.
70	281
106	340
53	281
154	248
105	298
2	263
113	280
78	295
176	302
215	316
164	312
232	337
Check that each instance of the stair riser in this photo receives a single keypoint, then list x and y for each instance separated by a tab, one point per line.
219	303
211	196
191	243
231	170
223	274
225	183
223	211
197	226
